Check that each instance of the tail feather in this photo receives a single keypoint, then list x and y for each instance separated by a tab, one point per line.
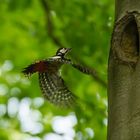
29	70
40	66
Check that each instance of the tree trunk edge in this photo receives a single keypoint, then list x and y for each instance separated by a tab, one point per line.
123	60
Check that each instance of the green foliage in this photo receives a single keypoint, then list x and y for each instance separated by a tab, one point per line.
83	25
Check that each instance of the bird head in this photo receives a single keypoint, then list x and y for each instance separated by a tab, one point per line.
62	51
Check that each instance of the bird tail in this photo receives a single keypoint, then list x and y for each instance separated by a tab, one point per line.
29	70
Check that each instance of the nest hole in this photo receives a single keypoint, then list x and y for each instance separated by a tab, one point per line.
130	40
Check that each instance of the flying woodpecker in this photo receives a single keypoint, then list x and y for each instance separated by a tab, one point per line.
51	83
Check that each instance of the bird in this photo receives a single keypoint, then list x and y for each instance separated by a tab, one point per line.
51	82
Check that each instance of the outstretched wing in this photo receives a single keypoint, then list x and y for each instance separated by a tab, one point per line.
55	90
83	69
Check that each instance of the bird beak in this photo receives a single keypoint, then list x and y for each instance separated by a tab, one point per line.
68	50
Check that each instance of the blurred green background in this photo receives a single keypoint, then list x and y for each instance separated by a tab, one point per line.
31	31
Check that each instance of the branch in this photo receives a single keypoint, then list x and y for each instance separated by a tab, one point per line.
50	29
49	24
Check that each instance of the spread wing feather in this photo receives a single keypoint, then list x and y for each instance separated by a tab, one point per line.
83	69
55	90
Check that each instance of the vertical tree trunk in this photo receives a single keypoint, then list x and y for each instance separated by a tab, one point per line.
124	73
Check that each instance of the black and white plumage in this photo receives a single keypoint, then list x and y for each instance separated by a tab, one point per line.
51	83
55	90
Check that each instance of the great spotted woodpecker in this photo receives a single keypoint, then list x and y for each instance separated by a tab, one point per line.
51	83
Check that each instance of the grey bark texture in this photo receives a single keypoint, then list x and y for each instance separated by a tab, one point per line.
124	73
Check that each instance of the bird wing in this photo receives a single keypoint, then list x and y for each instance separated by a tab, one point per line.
79	67
55	90
83	69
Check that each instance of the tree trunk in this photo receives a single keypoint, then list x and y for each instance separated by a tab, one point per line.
124	73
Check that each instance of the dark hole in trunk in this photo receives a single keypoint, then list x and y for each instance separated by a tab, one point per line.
130	39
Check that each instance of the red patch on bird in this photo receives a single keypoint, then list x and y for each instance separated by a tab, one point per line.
40	66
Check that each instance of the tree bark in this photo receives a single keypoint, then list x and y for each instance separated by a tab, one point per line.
124	73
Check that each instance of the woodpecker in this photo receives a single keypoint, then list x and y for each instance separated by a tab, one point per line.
51	83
